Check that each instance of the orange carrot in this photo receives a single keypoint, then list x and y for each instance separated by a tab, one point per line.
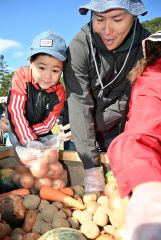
21	192
51	194
29	221
67	190
18	207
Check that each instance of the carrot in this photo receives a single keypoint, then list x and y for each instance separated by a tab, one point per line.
18	207
29	221
51	194
67	190
21	192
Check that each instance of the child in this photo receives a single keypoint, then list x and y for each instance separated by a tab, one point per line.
135	155
36	97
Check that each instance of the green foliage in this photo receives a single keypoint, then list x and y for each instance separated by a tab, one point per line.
153	25
5	85
5	77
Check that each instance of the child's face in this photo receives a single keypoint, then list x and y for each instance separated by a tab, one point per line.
46	71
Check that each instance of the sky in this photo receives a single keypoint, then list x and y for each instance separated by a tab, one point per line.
22	20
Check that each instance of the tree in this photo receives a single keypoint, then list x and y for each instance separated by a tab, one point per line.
152	25
5	84
5	77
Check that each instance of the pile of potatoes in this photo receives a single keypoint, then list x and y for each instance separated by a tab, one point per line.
39	168
102	219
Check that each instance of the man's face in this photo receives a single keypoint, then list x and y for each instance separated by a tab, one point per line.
112	26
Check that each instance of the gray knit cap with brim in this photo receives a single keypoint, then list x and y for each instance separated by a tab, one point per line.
134	7
155	37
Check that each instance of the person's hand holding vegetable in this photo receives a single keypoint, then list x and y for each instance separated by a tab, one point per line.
65	136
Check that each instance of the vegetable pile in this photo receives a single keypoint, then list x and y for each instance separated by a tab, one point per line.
97	216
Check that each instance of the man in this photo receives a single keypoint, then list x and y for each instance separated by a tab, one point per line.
99	59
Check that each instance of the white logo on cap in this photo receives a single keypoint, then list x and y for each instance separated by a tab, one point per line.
46	43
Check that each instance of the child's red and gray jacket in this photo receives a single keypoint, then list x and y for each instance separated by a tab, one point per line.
32	112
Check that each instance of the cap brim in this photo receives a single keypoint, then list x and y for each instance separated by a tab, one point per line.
52	53
96	6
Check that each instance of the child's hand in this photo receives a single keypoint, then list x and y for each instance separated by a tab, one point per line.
65	136
4	124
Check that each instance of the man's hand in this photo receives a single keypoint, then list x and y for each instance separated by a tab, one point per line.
94	180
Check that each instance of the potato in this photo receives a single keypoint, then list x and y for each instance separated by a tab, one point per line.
110	229
88	197
31	236
58	221
84	216
43	204
73	222
48	212
91	206
111	188
117	217
105	236
31	201
27	180
90	229
4	230
100	218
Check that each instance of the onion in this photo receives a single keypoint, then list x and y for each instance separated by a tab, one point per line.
38	169
21	168
58	183
55	170
16	177
27	180
43	182
51	155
